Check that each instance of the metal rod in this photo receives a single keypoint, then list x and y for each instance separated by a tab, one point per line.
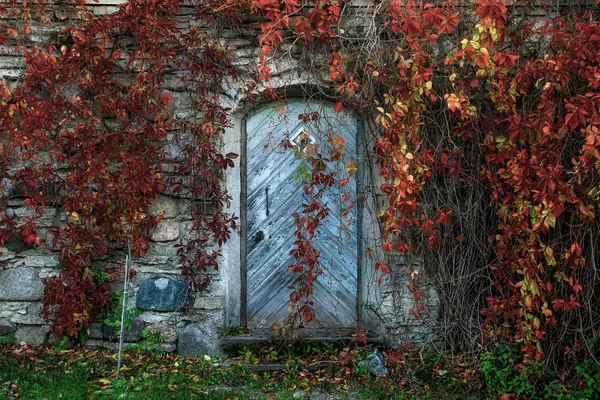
124	308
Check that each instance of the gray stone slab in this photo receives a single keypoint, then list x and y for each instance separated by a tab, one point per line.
21	284
32	335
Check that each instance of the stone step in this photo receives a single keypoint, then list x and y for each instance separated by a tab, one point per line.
336	335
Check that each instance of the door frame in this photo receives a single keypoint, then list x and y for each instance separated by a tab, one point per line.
243	212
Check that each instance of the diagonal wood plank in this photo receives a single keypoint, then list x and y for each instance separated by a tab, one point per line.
273	195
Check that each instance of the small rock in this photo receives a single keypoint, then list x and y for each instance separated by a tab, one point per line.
130	335
6	327
375	363
193	342
165	231
21	284
162	294
31	335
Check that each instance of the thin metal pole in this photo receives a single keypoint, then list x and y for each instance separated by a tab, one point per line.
124	309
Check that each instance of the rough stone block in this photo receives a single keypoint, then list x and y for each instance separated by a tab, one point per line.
21	284
32	315
132	334
6	327
42	221
168	204
165	330
174	152
32	335
17	244
162	294
95	330
165	231
193	342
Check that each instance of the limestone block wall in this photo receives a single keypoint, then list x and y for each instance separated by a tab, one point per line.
160	301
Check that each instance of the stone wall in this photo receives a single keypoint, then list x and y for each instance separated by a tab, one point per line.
162	306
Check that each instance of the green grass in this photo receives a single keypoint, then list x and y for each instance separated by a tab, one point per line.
308	368
80	374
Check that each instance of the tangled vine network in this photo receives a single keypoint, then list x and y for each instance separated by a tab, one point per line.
482	124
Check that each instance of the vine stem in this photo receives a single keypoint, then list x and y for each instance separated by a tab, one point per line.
124	308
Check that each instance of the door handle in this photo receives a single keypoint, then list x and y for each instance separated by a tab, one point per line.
267	196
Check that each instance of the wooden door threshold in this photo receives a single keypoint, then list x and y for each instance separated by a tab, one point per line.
322	335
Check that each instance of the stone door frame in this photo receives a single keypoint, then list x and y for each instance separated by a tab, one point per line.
233	279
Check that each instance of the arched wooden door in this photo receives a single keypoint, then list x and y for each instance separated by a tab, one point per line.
274	192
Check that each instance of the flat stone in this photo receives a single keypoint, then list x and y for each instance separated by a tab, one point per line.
193	342
132	334
41	261
165	231
21	284
31	335
162	294
209	302
152	317
167	204
6	327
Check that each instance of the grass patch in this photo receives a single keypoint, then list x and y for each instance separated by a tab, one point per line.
312	368
308	368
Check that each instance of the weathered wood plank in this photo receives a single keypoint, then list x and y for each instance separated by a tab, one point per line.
273	195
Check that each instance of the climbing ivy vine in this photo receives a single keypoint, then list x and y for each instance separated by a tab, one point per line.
486	119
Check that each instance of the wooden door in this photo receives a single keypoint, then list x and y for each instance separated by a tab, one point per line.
274	192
